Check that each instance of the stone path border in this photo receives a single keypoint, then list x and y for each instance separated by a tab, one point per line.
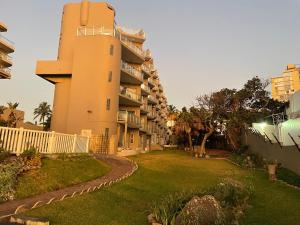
121	168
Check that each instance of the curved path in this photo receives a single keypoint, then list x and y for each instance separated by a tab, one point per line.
121	168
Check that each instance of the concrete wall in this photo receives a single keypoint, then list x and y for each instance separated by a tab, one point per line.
288	156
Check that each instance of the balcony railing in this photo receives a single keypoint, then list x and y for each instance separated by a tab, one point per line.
130	45
5	57
146	69
6	71
94	31
131	70
9	42
152	99
129	118
146	88
130	94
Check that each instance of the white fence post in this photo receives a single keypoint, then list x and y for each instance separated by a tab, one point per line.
51	142
19	143
87	145
74	143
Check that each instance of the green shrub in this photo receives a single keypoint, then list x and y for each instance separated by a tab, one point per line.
166	210
29	153
229	193
3	154
8	180
288	176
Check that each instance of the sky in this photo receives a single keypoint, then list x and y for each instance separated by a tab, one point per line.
199	46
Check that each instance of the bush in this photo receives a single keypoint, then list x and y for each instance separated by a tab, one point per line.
29	153
288	176
8	180
232	196
3	154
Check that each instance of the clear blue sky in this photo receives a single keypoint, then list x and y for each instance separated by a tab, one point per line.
199	46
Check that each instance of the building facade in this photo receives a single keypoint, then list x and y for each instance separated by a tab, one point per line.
287	84
6	47
105	82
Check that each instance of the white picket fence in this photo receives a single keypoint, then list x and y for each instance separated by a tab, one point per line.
16	140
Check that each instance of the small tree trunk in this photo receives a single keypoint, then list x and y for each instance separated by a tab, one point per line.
202	150
190	142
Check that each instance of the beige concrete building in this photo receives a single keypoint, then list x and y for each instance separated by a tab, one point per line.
6	47
105	82
287	84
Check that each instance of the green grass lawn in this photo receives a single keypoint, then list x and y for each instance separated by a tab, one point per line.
58	173
160	173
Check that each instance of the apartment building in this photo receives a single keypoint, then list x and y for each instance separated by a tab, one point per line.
105	82
6	47
287	84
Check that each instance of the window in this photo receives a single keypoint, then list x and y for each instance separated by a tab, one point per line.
108	104
111	50
110	76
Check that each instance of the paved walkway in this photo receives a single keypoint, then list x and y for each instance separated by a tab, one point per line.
120	169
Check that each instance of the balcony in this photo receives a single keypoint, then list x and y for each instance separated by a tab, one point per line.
146	70
152	100
5	59
131	52
144	127
130	75
129	98
5	73
151	82
145	90
151	115
144	109
130	119
3	27
6	45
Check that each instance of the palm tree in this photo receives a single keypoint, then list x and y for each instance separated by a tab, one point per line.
184	124
43	111
12	117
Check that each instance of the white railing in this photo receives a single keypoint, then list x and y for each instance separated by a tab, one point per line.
146	69
8	42
16	140
5	56
6	71
152	98
130	45
130	94
146	88
94	31
131	70
129	118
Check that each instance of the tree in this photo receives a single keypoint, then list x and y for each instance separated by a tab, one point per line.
43	112
184	124
12	116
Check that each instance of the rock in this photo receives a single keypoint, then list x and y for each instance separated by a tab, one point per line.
200	211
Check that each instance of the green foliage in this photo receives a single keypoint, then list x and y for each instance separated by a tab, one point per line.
3	154
29	153
8	180
288	176
248	160
230	194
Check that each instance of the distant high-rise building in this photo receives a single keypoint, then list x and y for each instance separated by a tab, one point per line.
105	82
6	47
287	84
